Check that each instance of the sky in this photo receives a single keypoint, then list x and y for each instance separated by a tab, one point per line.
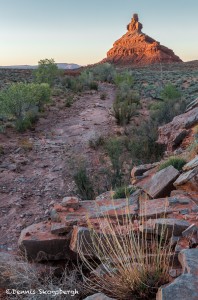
82	31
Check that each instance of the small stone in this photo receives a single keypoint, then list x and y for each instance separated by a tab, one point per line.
190	230
71	202
184	211
59	228
175	272
54	216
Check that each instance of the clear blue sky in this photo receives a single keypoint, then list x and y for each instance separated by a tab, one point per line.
82	31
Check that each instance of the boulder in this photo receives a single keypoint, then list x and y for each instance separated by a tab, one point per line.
188	180
155	208
71	202
161	183
172	134
40	244
170	227
192	105
189	261
98	296
183	287
141	169
135	47
191	164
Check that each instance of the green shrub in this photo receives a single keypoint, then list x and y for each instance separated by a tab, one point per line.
170	92
170	106
124	111
83	183
103	96
114	148
141	144
123	192
96	141
69	101
46	72
93	85
22	101
125	77
104	72
176	162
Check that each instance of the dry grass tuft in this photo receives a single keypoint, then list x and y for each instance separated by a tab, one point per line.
124	262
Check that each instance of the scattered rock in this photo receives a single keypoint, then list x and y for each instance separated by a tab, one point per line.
71	202
189	261
160	184
58	228
183	287
188	180
98	296
191	164
141	169
170	227
190	230
40	244
169	132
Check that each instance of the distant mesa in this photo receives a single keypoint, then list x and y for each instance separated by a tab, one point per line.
63	66
135	47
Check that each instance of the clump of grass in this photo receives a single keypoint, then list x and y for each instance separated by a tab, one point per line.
103	96
84	184
69	101
21	275
176	162
96	141
123	192
134	265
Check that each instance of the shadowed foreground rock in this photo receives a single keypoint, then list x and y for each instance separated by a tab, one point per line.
161	183
98	296
185	287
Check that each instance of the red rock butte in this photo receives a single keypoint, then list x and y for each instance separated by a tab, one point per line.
135	47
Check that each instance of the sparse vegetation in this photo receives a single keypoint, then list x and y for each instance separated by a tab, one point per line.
23	102
176	162
47	71
123	192
134	265
83	183
96	142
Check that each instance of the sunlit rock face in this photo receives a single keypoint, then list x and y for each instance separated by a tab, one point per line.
135	47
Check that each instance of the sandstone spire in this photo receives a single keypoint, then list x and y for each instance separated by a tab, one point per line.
135	47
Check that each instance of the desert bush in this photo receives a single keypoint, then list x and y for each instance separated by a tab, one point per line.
174	161
46	72
69	101
114	149
123	111
25	276
171	105
23	101
123	192
84	185
93	85
103	95
141	143
96	141
170	92
134	265
125	77
104	72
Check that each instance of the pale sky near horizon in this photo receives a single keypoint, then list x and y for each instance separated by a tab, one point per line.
77	31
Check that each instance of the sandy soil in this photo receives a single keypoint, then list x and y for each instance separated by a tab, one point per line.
30	179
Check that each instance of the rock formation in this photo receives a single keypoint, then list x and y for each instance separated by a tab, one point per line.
135	47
